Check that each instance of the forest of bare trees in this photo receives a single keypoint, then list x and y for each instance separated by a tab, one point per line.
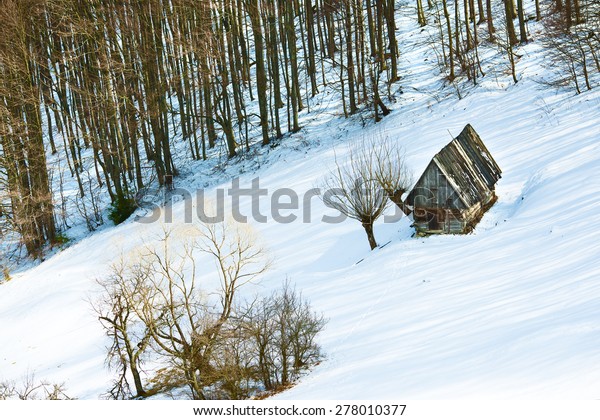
110	89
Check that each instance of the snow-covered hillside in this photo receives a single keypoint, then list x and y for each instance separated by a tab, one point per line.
510	311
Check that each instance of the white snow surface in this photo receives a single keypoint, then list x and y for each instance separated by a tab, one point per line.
510	311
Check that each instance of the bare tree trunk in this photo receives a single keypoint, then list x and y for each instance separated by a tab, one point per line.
522	28
490	20
390	17
350	56
310	36
421	13
510	27
569	13
261	74
368	226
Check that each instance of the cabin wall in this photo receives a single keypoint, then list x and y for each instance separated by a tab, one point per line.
430	220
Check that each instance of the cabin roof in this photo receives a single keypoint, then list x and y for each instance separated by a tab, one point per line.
468	166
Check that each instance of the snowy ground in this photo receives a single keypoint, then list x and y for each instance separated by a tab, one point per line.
511	311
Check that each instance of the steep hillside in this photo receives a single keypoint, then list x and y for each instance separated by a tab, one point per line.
510	311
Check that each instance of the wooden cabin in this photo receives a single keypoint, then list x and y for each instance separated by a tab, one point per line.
456	189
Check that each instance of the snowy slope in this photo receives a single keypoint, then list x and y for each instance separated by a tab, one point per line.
511	311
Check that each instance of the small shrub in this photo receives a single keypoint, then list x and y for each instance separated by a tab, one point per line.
121	209
61	240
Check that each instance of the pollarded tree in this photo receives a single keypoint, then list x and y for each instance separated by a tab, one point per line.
377	171
353	190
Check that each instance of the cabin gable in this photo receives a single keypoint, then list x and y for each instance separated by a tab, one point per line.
434	190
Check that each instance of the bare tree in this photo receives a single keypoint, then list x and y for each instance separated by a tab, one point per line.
573	57
353	190
184	323
282	330
129	337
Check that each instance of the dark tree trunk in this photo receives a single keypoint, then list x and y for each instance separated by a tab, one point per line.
522	28
451	76
510	27
368	226
261	74
490	20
